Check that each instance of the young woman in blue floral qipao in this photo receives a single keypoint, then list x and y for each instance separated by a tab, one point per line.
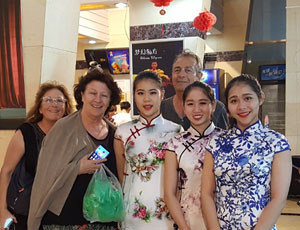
185	155
247	169
140	147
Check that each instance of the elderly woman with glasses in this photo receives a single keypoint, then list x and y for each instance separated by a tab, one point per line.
52	102
64	169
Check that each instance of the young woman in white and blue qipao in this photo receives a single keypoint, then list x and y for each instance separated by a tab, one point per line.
140	149
185	155
247	169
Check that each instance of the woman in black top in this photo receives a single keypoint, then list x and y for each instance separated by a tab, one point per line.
59	187
52	102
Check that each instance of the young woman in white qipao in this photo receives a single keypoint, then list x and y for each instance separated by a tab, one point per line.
184	158
140	149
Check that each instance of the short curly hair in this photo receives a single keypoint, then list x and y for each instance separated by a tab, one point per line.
97	75
188	53
34	114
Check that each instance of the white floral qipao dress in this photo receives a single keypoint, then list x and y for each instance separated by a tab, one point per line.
189	147
242	167
145	145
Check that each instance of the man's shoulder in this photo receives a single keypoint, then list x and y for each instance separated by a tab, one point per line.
167	101
167	107
220	104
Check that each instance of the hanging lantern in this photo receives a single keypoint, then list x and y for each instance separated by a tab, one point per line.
204	21
161	3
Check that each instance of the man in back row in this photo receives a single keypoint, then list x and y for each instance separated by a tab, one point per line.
186	69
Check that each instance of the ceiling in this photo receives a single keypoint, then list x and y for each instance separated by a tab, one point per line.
92	6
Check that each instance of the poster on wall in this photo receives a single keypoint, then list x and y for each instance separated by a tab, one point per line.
157	56
118	61
115	61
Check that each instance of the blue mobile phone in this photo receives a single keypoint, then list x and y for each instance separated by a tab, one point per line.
99	153
8	222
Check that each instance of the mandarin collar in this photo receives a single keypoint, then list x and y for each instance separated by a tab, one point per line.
255	127
154	121
210	128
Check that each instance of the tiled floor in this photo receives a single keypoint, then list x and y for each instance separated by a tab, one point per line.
290	218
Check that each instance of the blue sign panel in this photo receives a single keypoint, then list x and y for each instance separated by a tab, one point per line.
272	72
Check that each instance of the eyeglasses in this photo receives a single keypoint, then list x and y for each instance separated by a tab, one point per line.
50	100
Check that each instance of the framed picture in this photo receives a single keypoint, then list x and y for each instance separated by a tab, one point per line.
155	55
118	60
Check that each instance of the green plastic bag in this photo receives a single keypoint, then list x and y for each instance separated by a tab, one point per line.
103	199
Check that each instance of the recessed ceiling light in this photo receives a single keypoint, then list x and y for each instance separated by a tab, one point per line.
92	42
120	5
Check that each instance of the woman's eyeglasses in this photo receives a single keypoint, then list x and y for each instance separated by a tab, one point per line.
50	100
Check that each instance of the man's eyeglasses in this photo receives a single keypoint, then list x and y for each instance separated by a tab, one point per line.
50	100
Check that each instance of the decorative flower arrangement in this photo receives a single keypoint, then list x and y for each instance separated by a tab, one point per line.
144	164
159	149
204	21
161	208
140	211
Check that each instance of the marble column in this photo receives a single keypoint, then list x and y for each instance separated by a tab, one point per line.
49	32
293	75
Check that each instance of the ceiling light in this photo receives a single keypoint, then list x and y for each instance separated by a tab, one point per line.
80	36
93	6
92	42
208	33
120	5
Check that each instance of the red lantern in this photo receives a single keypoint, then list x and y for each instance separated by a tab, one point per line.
204	21
161	3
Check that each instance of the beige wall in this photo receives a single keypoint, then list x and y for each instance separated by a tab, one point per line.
233	37
235	25
5	136
292	110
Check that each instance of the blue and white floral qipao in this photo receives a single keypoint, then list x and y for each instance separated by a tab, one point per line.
189	147
145	144
242	167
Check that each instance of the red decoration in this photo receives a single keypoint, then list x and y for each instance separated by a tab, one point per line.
162	12
204	21
161	3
